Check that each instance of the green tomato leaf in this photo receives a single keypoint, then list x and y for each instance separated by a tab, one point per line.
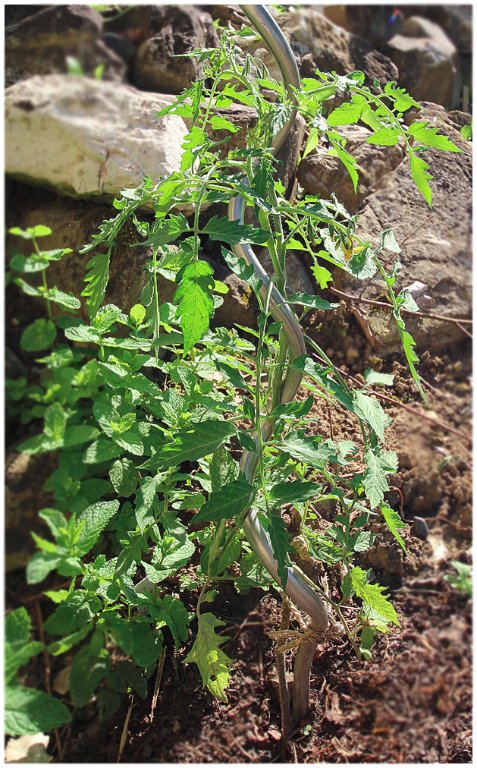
421	176
430	138
372	594
198	441
97	277
227	502
213	663
194	299
394	522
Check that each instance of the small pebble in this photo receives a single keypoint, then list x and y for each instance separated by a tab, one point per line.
420	528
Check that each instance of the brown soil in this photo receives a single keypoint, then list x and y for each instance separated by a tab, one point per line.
412	702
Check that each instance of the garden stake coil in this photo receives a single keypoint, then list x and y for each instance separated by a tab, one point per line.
297	589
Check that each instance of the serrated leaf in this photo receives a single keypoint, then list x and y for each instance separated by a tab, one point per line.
97	277
307	450
385	137
348	113
171	612
92	522
293	492
30	711
144	500
198	441
194	299
227	502
394	522
376	377
421	176
309	300
137	639
194	140
280	546
219	123
372	595
124	477
233	232
73	614
368	409
213	663
430	138
374	480
402	100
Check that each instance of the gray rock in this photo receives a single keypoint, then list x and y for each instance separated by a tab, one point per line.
420	528
436	243
40	44
427	61
88	138
329	47
321	174
157	65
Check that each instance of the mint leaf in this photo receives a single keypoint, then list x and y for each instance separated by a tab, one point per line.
171	612
38	335
92	521
87	671
30	711
136	638
18	647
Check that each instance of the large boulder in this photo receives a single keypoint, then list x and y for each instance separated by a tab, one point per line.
40	44
88	138
159	64
322	174
73	222
321	43
427	61
436	244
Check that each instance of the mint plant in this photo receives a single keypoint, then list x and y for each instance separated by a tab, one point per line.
148	410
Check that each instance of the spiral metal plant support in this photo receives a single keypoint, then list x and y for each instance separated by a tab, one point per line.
297	588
